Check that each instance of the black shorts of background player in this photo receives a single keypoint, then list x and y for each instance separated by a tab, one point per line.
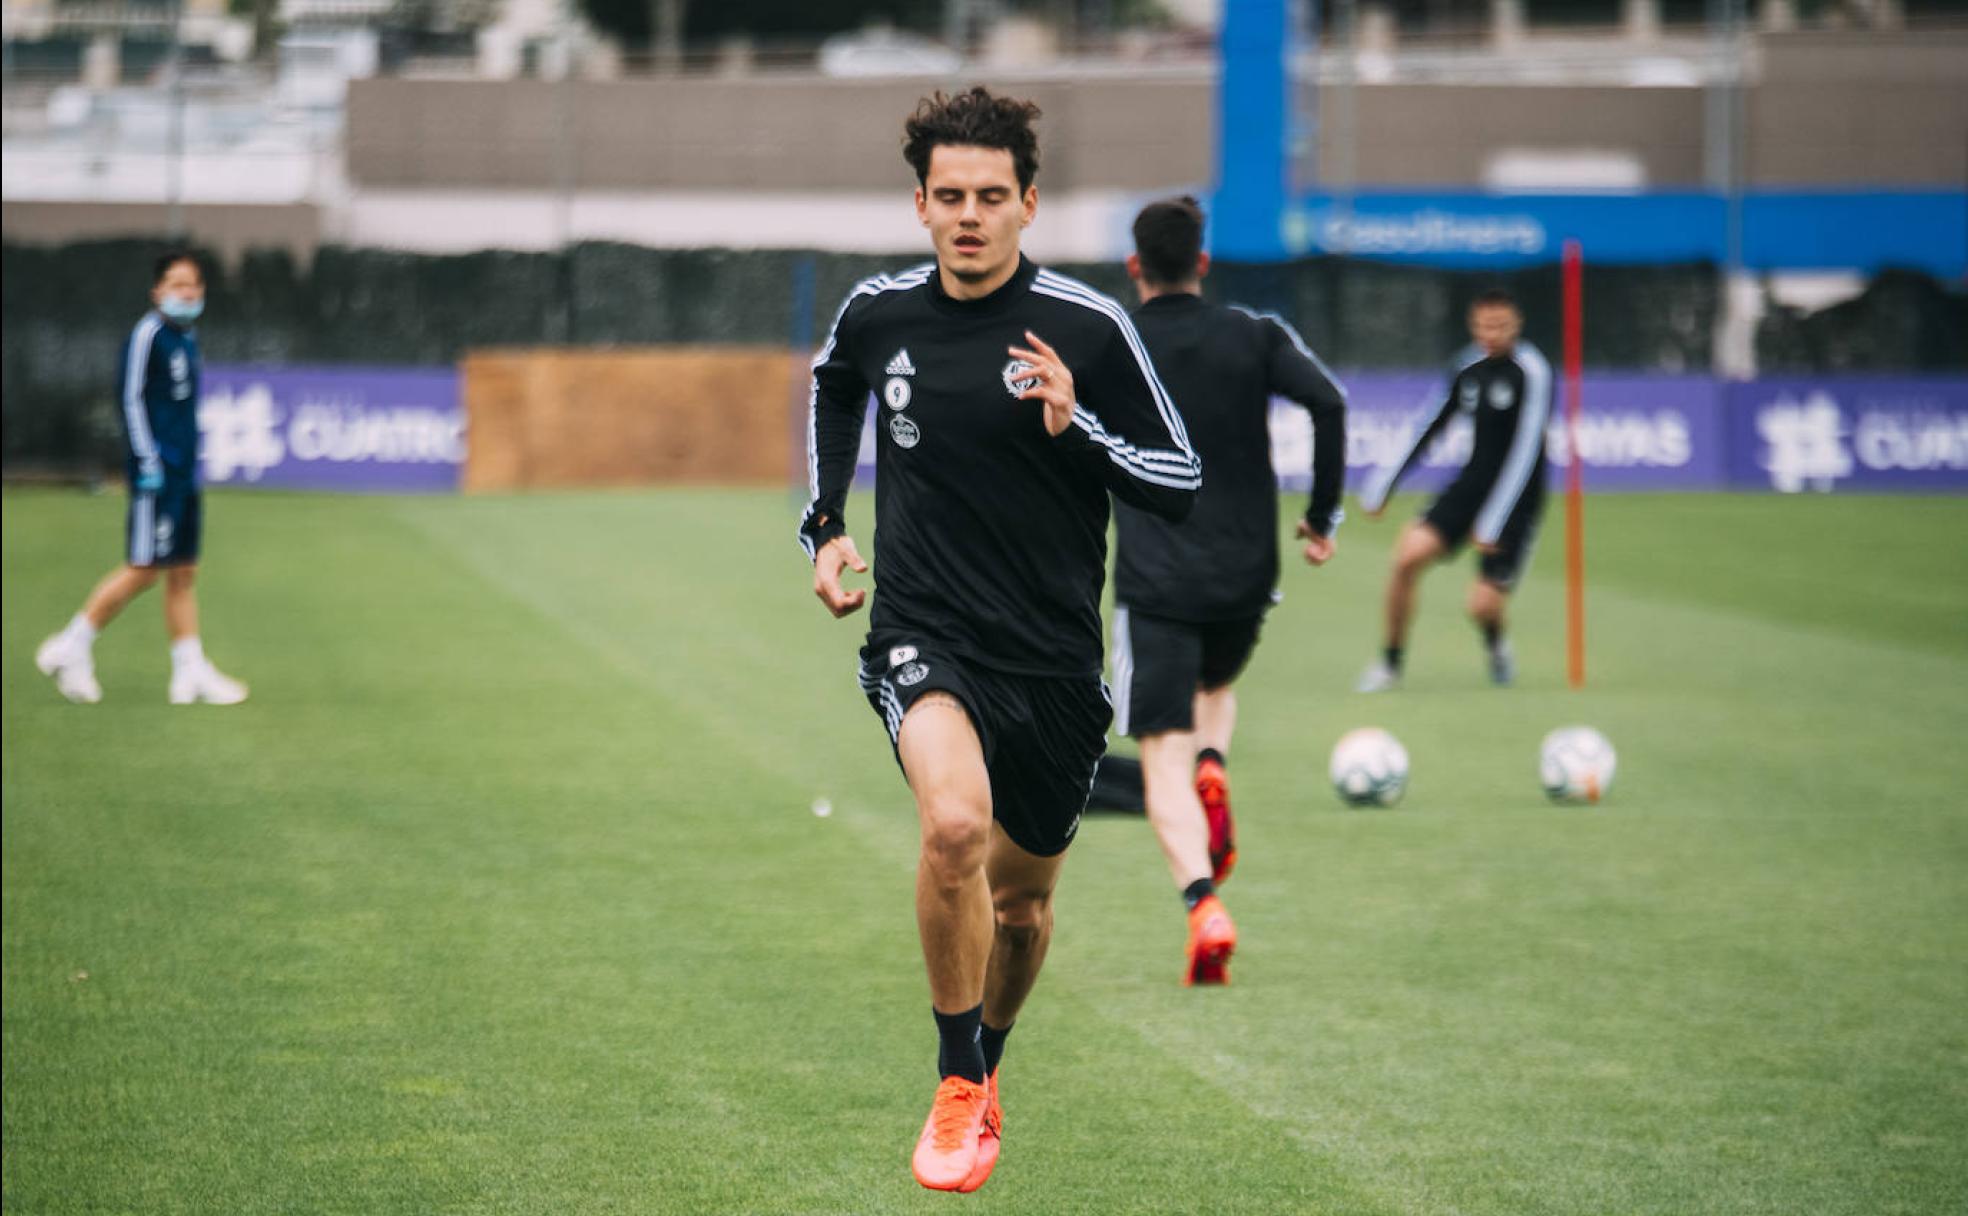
1503	384
1190	597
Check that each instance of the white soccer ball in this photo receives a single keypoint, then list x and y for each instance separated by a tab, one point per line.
1576	764
1369	768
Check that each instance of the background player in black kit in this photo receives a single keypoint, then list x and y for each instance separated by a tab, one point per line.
1011	401
1504	385
1191	597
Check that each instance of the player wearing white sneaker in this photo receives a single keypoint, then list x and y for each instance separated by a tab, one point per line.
193	678
158	386
1380	676
67	659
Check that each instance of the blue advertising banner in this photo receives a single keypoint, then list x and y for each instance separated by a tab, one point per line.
1781	230
396	430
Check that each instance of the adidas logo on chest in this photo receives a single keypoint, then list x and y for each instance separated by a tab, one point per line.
900	365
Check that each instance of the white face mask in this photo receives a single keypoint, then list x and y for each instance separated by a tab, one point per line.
177	308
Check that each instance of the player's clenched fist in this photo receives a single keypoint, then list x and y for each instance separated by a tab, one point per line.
1318	549
827	564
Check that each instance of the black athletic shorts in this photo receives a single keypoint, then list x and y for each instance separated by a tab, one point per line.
1453	516
1042	735
163	527
1159	664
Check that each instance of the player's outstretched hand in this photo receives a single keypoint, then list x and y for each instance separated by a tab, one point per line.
827	564
1318	549
1052	383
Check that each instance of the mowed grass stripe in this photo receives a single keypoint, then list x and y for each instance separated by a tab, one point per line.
675	618
538	912
1719	630
717	1098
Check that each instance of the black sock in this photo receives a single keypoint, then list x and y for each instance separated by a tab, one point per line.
1196	892
1393	656
1210	753
958	1054
1492	634
991	1040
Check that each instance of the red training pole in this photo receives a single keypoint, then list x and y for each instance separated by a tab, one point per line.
1574	290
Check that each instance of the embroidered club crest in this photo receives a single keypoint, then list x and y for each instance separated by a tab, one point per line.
1019	376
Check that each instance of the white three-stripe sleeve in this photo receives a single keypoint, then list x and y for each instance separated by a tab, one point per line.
837	407
1533	416
1125	410
1382	486
136	370
1296	374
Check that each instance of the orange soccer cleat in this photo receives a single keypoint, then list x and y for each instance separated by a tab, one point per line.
1213	787
987	1139
1212	939
946	1155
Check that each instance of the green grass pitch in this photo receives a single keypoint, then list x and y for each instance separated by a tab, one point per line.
504	894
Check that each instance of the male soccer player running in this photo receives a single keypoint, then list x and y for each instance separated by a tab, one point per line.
1011	400
158	386
1190	597
1504	385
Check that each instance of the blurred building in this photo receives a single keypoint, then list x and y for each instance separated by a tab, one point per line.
1810	142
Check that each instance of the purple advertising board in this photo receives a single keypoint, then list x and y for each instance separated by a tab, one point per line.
1636	432
392	430
1872	433
402	430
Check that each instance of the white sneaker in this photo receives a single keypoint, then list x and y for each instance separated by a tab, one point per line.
1378	677
206	683
1503	665
73	670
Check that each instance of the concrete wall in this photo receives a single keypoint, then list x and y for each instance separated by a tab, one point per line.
228	228
1826	109
1891	111
1445	135
804	134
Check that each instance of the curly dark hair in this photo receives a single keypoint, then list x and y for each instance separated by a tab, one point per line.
975	118
1168	237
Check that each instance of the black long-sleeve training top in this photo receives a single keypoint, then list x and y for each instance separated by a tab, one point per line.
1223	366
991	535
1508	397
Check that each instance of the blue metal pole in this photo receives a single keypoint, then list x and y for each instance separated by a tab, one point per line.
1253	109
